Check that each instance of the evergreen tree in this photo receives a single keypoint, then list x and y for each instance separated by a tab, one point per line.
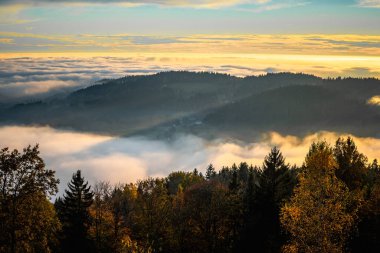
74	213
234	183
351	164
275	184
247	228
367	235
210	172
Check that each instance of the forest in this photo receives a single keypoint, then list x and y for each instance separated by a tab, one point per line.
329	204
209	105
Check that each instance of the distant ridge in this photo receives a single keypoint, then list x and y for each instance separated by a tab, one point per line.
210	105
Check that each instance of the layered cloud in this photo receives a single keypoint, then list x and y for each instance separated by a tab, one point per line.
36	76
375	100
184	3
129	159
320	44
369	3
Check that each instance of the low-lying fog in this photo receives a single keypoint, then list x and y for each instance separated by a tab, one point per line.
121	160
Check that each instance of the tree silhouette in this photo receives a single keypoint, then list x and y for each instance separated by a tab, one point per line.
74	213
351	165
275	184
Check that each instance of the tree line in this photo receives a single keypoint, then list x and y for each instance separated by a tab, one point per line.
329	204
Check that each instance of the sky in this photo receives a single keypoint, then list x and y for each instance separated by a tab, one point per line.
332	27
39	39
52	46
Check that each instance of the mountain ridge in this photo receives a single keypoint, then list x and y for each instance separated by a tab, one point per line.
210	104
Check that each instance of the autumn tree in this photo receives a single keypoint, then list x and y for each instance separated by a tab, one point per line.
112	218
151	215
208	207
74	214
351	164
28	222
101	216
181	179
321	214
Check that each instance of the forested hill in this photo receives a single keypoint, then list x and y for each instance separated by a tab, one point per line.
211	105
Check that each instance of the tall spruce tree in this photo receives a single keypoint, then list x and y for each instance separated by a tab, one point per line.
74	213
210	172
275	184
351	164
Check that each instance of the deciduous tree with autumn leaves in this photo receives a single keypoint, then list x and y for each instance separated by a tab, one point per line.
329	204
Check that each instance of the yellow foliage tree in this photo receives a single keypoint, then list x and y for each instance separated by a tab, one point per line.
321	213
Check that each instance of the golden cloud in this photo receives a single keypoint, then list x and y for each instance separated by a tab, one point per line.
375	100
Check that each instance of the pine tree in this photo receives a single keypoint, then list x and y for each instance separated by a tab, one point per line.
275	184
74	212
351	164
210	172
234	183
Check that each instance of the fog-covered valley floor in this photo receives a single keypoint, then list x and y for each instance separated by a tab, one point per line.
121	160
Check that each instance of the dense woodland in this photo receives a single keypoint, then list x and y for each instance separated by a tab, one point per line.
329	204
209	105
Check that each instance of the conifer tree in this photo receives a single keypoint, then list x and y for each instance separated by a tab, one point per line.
275	184
351	164
74	213
210	172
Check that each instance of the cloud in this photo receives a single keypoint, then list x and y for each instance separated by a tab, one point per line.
365	45
19	89
183	3
120	160
20	77
151	40
29	76
361	72
369	3
275	6
251	71
347	42
9	15
375	100
6	41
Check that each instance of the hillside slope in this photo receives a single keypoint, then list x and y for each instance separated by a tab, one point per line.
210	105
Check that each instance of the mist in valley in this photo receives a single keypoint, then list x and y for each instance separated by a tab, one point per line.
126	160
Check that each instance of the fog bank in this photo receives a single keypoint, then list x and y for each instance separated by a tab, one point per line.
121	160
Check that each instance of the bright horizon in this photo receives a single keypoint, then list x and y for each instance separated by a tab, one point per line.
324	38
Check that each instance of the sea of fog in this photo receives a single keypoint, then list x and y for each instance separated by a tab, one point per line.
40	77
122	160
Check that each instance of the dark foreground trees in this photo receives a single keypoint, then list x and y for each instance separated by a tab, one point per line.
330	204
275	184
28	222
